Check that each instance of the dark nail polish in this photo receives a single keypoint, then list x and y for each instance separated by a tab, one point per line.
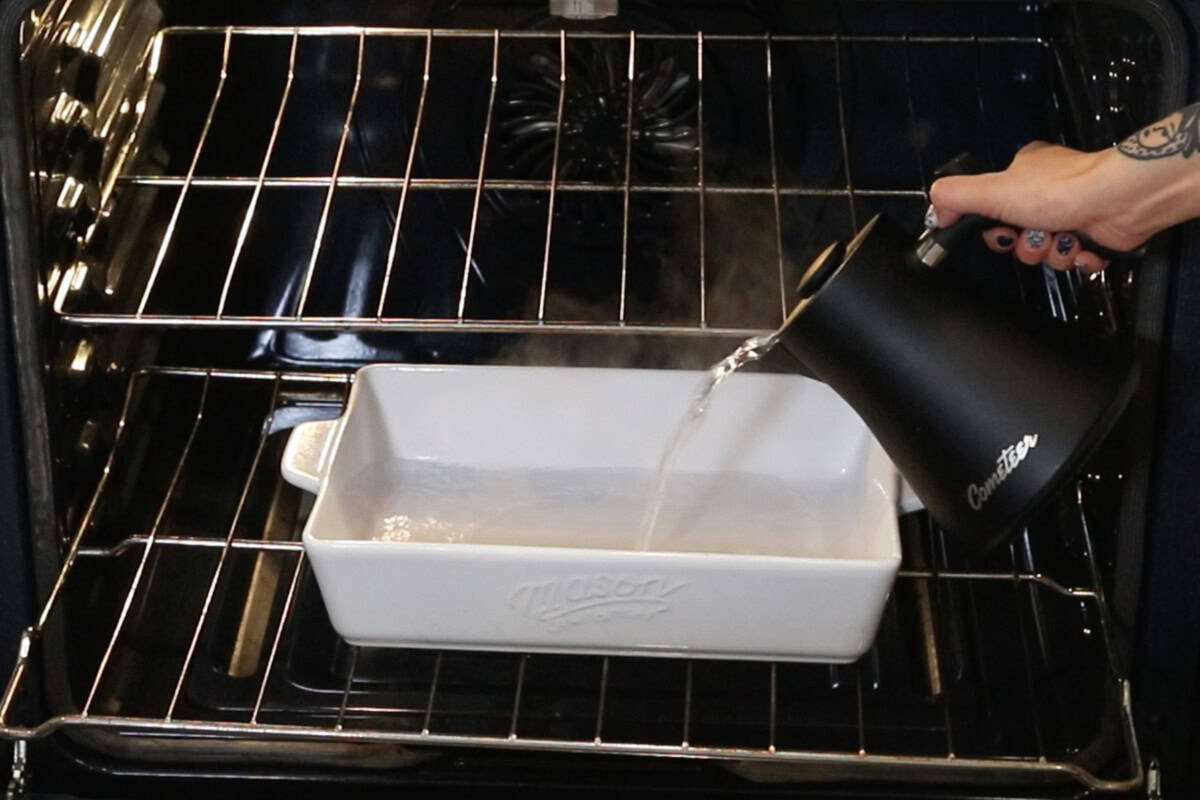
1004	240
1035	238
1064	244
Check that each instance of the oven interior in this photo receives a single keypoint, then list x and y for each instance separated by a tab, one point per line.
239	204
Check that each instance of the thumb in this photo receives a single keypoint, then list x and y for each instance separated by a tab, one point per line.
970	194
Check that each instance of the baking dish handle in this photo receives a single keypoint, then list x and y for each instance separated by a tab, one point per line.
307	454
906	498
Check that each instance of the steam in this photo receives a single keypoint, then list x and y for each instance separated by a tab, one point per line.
742	288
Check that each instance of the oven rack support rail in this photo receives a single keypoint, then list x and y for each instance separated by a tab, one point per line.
138	309
335	726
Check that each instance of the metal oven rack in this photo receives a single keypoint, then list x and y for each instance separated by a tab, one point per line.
81	299
205	623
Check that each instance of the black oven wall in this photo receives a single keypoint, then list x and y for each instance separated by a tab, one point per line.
16	592
1167	675
1167	665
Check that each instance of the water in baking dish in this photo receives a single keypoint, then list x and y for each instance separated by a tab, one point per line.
420	501
752	349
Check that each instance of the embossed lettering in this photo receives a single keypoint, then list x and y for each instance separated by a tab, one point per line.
560	602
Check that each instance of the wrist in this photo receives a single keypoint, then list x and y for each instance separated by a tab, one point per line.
1136	199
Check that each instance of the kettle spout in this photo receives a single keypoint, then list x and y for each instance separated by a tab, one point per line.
830	260
824	265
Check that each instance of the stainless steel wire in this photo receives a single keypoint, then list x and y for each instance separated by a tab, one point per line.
468	262
319	238
558	126
630	76
146	550
76	308
371	719
165	244
408	169
248	216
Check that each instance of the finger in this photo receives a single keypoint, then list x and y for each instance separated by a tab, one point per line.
991	194
1000	240
1062	252
1088	262
1033	245
977	193
1036	144
936	217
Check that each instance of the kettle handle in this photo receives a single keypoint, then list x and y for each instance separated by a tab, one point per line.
935	243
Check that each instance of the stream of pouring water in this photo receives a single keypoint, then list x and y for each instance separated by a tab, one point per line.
752	349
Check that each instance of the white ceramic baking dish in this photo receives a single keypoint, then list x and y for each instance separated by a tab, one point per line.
500	507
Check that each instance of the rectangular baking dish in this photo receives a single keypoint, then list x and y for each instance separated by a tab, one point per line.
495	507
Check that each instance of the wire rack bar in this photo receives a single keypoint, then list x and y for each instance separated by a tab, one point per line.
283	621
69	559
147	547
702	238
929	765
408	168
256	545
468	262
476	33
226	548
161	255
330	720
244	230
414	324
558	125
926	609
319	238
346	689
841	115
602	695
128	147
981	106
630	76
499	184
775	198
772	707
1080	592
516	707
687	705
914	132
433	685
1027	658
858	707
936	548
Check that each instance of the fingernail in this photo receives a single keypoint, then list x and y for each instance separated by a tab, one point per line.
1064	244
1079	265
931	220
1004	240
1035	238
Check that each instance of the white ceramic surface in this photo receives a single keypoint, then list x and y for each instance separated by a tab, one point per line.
500	507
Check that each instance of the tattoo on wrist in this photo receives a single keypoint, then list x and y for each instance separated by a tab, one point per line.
1178	133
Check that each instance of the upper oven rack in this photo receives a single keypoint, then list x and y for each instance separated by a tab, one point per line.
82	300
822	718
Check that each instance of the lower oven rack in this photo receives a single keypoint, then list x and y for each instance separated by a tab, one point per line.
212	633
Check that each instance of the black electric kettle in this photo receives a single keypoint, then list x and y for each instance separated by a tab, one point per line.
985	410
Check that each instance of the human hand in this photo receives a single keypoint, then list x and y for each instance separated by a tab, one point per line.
1118	197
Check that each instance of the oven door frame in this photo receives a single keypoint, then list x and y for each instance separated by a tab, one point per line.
1163	591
